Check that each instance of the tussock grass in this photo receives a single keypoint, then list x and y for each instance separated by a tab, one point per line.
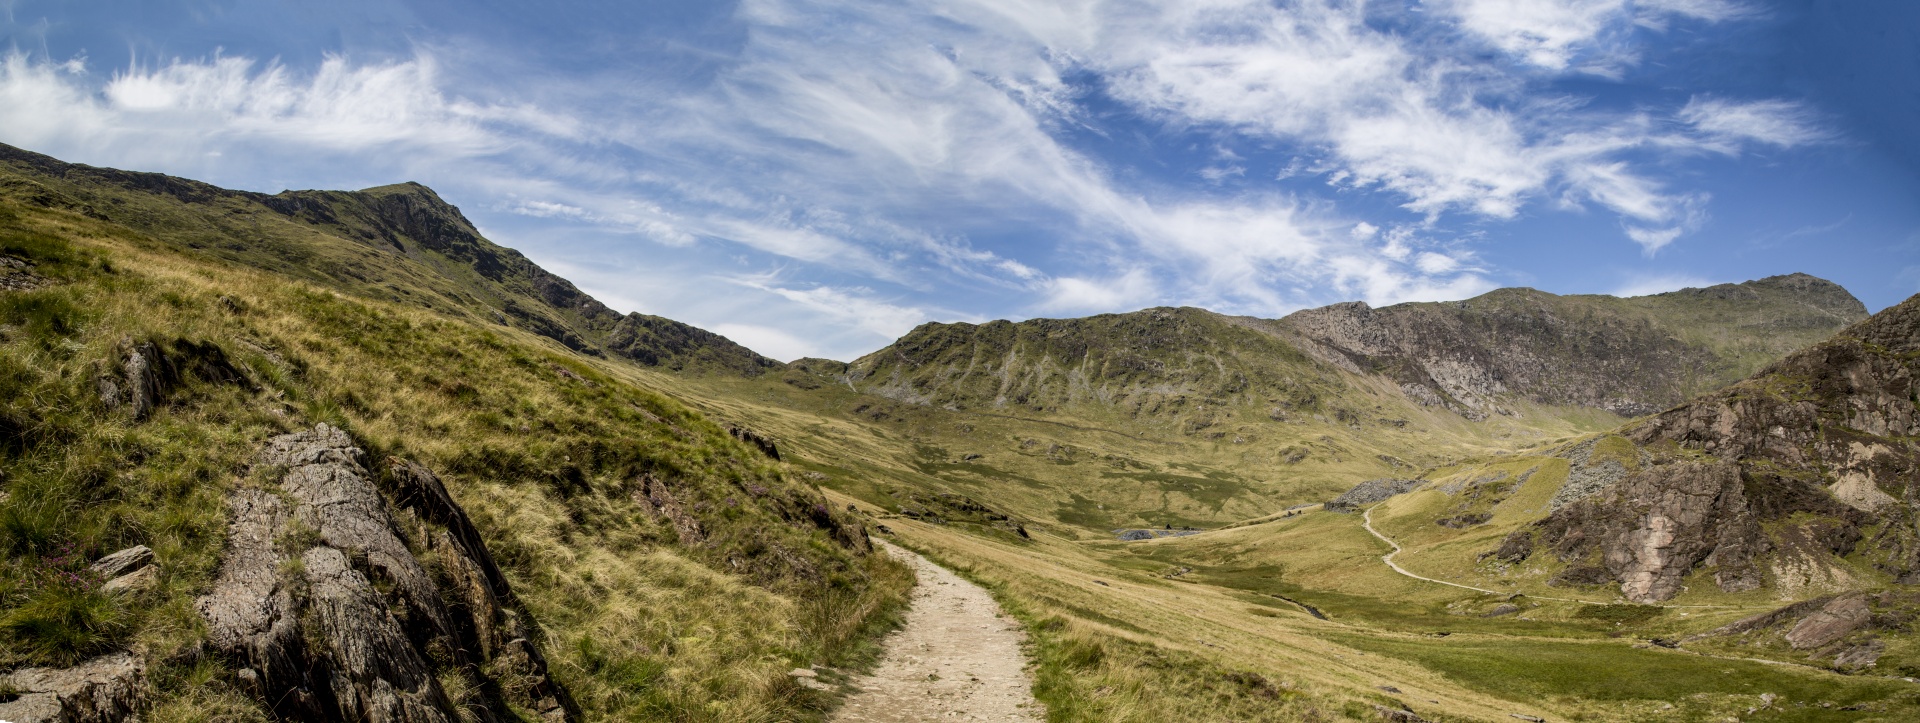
544	448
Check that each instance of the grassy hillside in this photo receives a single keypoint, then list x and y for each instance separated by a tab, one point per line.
400	243
545	448
1010	452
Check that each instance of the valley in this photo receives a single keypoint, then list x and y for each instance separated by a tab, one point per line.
1689	506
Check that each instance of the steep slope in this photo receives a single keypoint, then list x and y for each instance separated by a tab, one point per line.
1475	357
1802	476
399	242
231	492
1798	481
1629	356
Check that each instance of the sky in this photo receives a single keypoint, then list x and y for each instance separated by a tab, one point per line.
817	177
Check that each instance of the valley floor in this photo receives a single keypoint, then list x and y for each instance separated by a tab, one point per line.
956	658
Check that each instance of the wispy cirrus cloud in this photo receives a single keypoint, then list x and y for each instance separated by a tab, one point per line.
871	166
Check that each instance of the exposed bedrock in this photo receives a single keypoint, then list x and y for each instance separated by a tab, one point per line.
326	614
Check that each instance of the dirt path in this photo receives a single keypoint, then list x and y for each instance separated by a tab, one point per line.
955	659
1367	520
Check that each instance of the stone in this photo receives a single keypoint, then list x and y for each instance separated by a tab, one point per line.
1504	609
1371	491
1830	623
107	689
1397	715
1864	655
296	612
123	562
133	583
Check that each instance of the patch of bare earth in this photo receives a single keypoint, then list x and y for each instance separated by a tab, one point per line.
956	658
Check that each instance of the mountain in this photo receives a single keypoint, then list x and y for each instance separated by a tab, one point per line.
328	455
316	456
402	243
1631	356
1802	476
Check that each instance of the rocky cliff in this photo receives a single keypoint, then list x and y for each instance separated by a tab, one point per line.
1476	357
1803	477
1630	356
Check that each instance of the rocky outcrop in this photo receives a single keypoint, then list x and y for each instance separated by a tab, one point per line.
108	689
1622	355
748	436
1830	623
325	613
142	373
18	275
1774	478
1650	531
1371	491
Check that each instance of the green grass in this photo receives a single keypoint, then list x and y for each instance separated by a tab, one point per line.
1601	673
634	623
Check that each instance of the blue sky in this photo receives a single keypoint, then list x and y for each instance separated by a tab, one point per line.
816	177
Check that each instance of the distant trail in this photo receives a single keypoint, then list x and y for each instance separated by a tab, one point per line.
955	659
1367	519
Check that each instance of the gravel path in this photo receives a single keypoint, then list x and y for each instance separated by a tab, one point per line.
955	659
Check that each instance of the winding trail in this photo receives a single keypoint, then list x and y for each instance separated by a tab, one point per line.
956	658
1367	520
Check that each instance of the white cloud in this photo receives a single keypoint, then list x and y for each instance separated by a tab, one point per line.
856	307
1126	292
1553	34
768	341
1730	124
899	144
1658	283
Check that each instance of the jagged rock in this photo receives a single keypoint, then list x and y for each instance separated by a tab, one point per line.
751	437
1864	655
372	671
107	689
313	637
1586	478
1832	622
1503	609
18	275
1766	619
138	581
493	624
1654	527
1397	715
661	500
147	371
122	562
1371	491
141	377
324	474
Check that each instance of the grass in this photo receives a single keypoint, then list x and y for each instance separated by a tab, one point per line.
543	447
633	623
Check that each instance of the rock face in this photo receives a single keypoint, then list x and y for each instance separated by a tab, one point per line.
1832	622
1475	357
1773	478
1621	355
1371	491
297	610
108	689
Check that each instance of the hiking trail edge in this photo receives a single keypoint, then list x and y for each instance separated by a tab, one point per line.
956	658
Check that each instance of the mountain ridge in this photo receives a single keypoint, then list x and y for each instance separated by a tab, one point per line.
449	264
